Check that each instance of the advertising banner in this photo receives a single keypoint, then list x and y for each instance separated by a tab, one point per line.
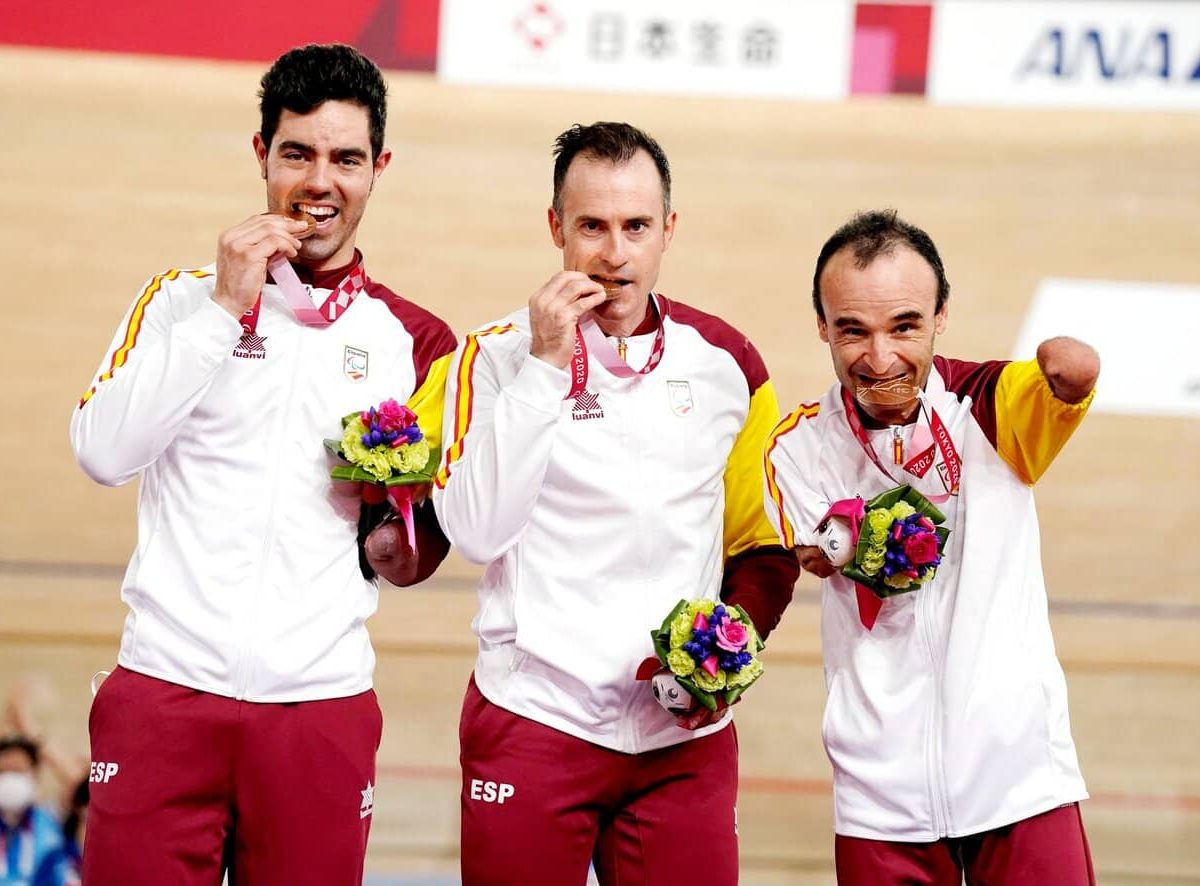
1135	55
399	34
754	48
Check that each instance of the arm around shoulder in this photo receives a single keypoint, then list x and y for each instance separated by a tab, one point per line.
1071	367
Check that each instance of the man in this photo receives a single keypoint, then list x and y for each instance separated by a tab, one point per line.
243	701
946	719
28	833
604	465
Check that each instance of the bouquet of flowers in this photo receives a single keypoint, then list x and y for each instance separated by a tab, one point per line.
389	454
384	445
710	649
899	543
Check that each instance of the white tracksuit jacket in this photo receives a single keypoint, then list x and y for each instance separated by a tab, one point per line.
595	516
949	717
245	581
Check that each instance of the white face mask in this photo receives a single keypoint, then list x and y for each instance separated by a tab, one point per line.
17	790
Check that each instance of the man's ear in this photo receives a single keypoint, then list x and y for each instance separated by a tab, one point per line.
669	230
260	151
556	229
381	163
941	318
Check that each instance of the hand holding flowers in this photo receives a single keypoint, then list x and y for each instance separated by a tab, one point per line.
892	544
707	648
899	546
384	444
389	454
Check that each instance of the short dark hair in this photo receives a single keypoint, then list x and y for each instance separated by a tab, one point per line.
19	742
304	78
875	233
615	142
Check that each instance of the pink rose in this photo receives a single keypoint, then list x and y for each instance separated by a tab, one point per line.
710	665
732	636
394	416
921	548
700	623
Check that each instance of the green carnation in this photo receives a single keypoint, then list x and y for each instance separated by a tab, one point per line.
899	581
709	684
705	606
409	458
680	663
352	446
872	562
376	463
902	509
876	548
879	521
746	675
878	524
681	629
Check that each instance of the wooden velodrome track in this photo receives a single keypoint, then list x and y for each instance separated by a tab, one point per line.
116	168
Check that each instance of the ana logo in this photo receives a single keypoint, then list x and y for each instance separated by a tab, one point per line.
491	791
368	800
587	405
1125	53
354	364
100	773
679	393
250	347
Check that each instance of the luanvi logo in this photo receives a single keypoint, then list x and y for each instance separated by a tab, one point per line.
250	347
587	405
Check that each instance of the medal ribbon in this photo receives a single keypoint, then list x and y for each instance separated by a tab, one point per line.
588	335
941	439
296	295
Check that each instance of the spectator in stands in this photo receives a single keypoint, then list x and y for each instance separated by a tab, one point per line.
28	831
64	866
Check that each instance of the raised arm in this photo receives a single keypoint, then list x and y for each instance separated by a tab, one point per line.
503	401
160	364
1028	409
1071	367
167	351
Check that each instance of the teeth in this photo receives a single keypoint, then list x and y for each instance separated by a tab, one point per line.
317	211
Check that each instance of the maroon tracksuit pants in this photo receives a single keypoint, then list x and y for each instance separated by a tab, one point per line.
538	805
184	782
1050	849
